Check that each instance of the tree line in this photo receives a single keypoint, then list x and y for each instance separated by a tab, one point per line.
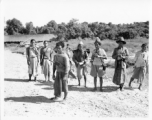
73	29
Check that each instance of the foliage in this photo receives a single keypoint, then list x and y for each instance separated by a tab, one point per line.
73	29
13	26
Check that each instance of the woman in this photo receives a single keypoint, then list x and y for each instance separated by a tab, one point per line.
46	60
97	60
120	55
141	66
32	55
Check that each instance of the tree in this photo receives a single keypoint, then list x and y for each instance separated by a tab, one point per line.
14	26
29	27
53	25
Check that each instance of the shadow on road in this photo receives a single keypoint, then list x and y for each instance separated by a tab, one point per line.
41	83
87	89
29	99
110	88
15	80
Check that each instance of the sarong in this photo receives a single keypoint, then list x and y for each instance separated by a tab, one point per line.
60	84
120	73
139	73
46	68
33	67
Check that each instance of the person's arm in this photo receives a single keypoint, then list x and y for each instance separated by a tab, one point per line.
41	56
136	57
37	53
74	58
104	56
67	67
27	56
54	67
114	55
51	55
126	54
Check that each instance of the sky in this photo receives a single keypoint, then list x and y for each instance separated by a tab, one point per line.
40	12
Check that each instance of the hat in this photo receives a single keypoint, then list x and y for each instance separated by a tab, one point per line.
80	43
60	43
98	41
144	45
121	39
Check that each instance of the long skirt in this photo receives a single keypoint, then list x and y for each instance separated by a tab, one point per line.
139	73
60	84
46	68
33	67
119	76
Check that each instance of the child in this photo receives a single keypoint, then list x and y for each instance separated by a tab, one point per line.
61	67
98	68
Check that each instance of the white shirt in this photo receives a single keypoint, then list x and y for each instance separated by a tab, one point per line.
99	61
141	58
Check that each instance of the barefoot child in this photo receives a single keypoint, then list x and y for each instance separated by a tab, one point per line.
97	60
61	67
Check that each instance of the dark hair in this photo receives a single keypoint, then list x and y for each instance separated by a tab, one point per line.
45	41
144	45
32	40
88	51
60	43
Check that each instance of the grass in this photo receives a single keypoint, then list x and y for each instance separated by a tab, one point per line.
133	45
23	38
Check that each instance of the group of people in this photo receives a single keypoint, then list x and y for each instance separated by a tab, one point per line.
63	60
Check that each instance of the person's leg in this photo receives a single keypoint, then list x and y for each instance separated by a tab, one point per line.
95	83
142	76
79	74
35	78
101	82
57	87
30	75
85	78
131	80
65	89
72	74
122	87
49	74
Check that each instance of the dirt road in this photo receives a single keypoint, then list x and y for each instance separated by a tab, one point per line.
23	98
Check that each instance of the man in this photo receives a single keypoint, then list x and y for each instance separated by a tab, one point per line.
120	55
46	60
61	67
97	67
141	65
80	58
32	56
69	53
